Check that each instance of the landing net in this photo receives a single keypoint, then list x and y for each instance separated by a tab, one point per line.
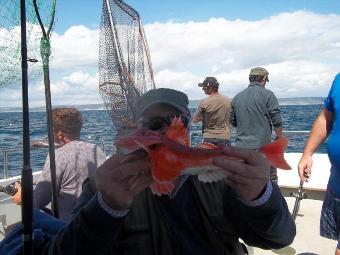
125	70
10	43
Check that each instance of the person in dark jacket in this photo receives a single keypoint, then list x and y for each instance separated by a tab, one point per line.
118	214
254	113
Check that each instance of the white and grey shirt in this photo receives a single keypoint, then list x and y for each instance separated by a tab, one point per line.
75	161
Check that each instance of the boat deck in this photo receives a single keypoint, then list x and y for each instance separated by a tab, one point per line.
308	240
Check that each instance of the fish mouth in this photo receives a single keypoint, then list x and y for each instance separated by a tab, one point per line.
133	144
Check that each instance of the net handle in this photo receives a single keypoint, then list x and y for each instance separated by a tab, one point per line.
40	21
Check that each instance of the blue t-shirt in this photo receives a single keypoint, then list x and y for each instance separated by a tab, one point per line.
332	104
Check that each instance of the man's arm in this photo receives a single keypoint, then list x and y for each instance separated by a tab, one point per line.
320	130
100	156
88	192
42	194
96	225
278	132
232	116
268	226
92	231
274	114
198	114
260	214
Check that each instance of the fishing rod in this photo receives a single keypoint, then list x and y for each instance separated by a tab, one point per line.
26	173
301	194
45	54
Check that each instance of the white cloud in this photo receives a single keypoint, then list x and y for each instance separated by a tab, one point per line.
77	88
301	51
77	47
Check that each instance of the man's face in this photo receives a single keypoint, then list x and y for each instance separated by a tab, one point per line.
206	90
264	80
57	136
159	117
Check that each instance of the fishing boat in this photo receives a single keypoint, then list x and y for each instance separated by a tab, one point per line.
307	240
304	202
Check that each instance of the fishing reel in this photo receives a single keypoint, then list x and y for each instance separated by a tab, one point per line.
9	189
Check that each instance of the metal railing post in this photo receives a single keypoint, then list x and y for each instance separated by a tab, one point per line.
103	146
5	164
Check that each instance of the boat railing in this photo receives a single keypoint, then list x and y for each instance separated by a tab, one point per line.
5	152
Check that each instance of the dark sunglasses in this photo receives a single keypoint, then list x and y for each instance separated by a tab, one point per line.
158	123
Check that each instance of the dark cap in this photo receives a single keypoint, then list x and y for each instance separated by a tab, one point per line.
209	81
171	97
259	71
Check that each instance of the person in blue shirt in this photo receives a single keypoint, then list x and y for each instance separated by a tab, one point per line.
327	125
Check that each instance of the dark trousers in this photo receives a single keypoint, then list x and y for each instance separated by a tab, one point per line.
216	141
273	175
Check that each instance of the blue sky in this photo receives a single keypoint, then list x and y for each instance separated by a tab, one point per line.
298	41
71	13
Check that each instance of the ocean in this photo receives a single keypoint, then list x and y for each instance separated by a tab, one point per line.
98	129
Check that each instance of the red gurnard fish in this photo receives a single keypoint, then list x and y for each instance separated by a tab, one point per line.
171	155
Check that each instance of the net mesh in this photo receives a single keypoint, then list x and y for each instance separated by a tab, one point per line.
10	41
125	70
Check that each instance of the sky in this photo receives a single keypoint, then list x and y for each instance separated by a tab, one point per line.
297	41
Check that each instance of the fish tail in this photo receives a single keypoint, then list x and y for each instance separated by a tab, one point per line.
275	153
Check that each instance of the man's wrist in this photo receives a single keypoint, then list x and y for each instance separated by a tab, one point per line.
307	154
261	193
263	197
112	212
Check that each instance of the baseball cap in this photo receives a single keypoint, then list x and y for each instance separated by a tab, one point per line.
171	97
209	81
259	71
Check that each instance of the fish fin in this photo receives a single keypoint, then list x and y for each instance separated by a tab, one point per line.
165	164
206	145
160	188
212	176
143	146
177	132
274	152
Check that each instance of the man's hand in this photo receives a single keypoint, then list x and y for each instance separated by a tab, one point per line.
16	198
305	167
121	178
248	176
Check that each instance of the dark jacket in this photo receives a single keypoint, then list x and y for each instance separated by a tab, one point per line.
145	231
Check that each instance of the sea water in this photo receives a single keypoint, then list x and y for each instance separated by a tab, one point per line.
98	129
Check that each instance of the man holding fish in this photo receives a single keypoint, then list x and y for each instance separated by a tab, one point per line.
154	198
